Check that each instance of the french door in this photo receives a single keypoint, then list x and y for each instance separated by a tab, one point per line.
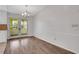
18	27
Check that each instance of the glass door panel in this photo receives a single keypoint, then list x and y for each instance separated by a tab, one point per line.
13	26
23	26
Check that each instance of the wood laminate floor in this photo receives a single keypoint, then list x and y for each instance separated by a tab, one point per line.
2	47
32	45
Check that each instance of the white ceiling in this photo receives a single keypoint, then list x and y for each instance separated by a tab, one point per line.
34	9
19	9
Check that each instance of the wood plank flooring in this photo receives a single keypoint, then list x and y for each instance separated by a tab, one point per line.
32	45
2	47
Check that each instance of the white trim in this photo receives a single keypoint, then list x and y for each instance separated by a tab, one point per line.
19	36
55	43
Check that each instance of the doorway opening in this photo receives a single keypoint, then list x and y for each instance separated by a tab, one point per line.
17	27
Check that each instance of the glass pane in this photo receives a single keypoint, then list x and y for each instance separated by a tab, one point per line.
23	26
13	26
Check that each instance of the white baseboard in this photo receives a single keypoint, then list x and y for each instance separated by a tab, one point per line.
55	43
19	36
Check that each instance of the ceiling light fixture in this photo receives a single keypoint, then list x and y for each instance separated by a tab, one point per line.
22	14
25	14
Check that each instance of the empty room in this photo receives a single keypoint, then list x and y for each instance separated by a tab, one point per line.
39	29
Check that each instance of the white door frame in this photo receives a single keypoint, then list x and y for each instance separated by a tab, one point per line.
19	23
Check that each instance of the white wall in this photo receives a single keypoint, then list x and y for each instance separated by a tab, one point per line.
30	25
3	20
59	25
